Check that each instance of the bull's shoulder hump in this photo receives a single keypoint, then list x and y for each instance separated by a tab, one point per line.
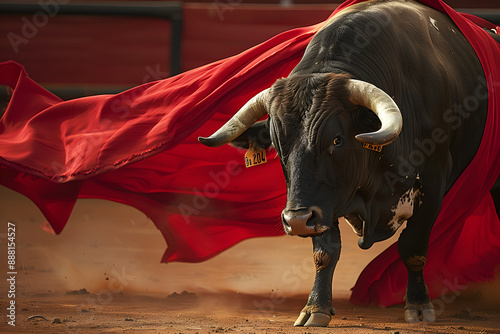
392	7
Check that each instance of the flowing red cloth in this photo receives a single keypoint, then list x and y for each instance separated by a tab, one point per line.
139	148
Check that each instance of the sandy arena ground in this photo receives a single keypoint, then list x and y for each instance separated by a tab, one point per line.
103	275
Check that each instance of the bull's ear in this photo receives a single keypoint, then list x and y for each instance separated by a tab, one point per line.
257	133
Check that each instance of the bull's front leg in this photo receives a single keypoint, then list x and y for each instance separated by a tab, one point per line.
318	310
413	251
412	247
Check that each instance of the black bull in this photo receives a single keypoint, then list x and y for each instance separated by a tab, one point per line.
337	124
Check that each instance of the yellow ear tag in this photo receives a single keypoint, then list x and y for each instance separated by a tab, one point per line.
377	148
255	156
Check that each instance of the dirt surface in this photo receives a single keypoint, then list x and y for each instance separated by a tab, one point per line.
103	275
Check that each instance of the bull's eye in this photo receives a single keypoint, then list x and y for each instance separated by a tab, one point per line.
337	141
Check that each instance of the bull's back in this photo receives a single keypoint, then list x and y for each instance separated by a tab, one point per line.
420	58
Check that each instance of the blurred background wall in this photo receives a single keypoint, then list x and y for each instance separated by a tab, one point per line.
106	53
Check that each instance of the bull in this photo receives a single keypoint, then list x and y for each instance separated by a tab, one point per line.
367	128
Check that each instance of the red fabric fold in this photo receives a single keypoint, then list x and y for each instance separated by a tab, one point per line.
140	148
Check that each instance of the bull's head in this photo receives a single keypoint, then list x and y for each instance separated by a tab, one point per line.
313	123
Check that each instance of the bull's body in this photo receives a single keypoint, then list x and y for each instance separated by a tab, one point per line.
419	58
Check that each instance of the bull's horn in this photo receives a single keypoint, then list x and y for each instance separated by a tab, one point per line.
250	113
375	99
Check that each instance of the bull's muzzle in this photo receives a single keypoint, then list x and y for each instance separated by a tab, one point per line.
303	222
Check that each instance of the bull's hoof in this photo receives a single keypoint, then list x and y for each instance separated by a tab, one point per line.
313	316
313	320
419	312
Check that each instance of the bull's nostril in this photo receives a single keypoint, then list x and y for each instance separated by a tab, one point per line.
286	226
313	218
283	219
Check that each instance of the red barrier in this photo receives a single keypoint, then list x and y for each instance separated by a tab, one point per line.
128	51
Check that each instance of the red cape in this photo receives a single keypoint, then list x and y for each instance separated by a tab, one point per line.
139	148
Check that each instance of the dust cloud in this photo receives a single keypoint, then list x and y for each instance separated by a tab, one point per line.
108	248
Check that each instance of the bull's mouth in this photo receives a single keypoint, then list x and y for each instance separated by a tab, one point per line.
354	220
311	221
306	231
